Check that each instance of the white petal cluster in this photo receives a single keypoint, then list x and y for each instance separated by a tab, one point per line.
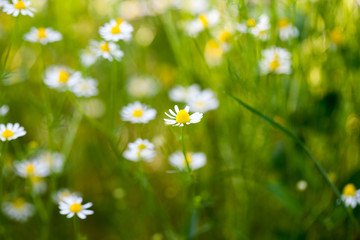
275	60
141	149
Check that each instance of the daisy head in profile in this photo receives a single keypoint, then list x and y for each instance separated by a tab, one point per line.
141	149
195	160
137	113
18	209
107	50
275	60
17	7
182	117
71	206
42	35
11	131
60	77
116	30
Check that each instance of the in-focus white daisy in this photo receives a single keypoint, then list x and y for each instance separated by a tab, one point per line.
262	29
203	21
11	131
61	194
204	101
4	109
85	87
19	7
350	195
195	160
72	205
18	209
42	35
53	160
137	113
116	30
142	86
60	77
286	29
31	168
107	50
182	94
88	57
182	117
275	60
141	149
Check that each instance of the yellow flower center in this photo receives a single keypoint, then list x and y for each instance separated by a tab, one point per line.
349	190
336	36
20	5
225	36
213	50
7	134
63	77
116	29
30	169
183	117
41	33
200	103
274	65
18	202
251	22
283	23
141	147
137	113
203	20
119	21
105	47
75	207
188	158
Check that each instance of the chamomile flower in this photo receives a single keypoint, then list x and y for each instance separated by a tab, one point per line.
245	26
182	94
182	117
4	109
350	195
213	53
88	57
142	86
262	29
19	7
106	50
116	30
72	205
204	101
11	131
275	60
203	21
225	37
195	160
53	160
137	113
85	87
141	149
39	185
60	77
42	35
18	209
31	168
286	29
61	194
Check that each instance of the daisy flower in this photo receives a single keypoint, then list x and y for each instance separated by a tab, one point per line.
142	86
4	109
116	30
182	94
19	7
86	87
275	60
141	149
350	195
38	184
53	160
61	194
107	50
137	113
301	185
31	168
88	57
225	37
286	29
18	209
42	35
204	101
203	21
72	205
195	160
213	53
262	29
194	7
11	131
60	77
245	26
182	117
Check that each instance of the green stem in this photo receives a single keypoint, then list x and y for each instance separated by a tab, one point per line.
184	151
305	149
76	228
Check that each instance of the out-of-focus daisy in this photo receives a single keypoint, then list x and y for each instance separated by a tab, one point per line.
137	113
116	30
182	117
204	101
142	86
3	3
42	35
18	209
275	60
301	185
60	77
11	131
88	57
195	160
19	7
286	29
141	149
182	94
107	50
203	21
72	205
350	195
53	160
61	194
225	37
336	36
4	109
262	28
245	26
39	185
213	53
93	107
191	6
31	168
85	87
